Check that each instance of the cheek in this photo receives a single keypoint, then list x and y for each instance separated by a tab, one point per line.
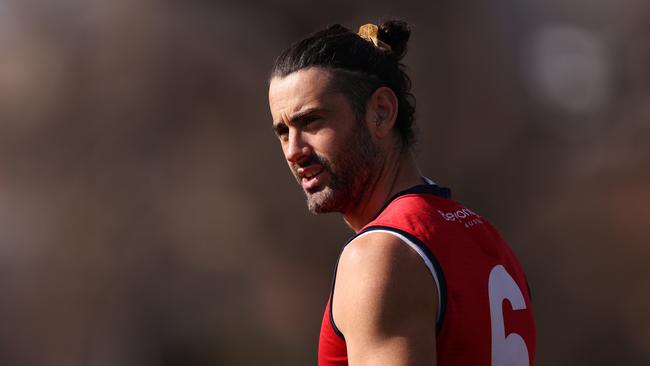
284	146
326	142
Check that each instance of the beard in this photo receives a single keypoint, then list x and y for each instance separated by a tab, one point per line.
351	171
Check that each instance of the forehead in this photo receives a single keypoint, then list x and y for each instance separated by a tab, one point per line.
298	91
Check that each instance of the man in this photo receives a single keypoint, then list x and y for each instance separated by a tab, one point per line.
425	280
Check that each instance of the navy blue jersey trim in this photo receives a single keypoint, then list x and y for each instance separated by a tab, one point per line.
427	252
432	189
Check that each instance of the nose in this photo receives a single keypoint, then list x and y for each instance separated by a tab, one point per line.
297	149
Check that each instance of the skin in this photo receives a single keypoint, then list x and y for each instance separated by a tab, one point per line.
384	321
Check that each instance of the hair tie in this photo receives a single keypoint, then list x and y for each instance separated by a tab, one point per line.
370	33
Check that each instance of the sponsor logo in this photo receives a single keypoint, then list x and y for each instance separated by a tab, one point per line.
464	216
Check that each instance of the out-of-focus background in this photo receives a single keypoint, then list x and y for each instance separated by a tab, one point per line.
147	216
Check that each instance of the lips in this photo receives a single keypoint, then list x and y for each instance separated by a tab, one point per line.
311	177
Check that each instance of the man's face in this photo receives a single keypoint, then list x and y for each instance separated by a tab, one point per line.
329	151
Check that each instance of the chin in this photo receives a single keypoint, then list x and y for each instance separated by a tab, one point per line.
324	201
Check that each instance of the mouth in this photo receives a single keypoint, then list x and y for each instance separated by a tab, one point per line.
311	177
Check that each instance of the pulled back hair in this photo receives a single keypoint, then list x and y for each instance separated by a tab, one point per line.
358	67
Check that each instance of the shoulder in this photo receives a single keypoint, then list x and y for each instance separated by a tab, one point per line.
382	283
378	246
377	253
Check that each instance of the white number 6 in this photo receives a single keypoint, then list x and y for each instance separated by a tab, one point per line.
510	350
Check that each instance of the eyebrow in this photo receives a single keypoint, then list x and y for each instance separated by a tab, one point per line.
298	117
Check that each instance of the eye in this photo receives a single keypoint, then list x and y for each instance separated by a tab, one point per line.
308	121
282	131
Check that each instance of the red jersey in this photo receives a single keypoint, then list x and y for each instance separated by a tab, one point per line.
484	312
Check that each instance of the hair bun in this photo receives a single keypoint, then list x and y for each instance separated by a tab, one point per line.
395	33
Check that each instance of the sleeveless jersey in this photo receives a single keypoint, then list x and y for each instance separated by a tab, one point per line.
484	312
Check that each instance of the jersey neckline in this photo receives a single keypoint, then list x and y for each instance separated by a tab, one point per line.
429	187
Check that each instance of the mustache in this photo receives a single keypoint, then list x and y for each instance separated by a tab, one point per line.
311	160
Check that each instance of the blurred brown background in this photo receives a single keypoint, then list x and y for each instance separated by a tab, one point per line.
147	216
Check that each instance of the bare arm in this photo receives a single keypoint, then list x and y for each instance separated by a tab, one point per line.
385	303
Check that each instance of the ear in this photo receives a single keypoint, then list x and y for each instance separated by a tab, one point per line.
381	112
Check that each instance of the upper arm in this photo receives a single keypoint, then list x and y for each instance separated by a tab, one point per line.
385	303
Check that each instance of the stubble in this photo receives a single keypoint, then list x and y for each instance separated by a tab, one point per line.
351	172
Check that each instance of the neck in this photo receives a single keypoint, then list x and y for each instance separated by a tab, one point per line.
397	173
